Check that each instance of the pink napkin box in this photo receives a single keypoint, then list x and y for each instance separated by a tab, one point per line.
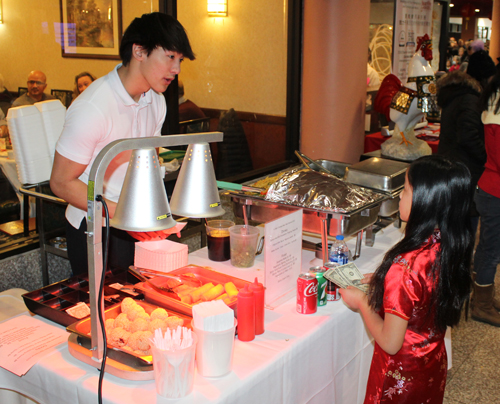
161	255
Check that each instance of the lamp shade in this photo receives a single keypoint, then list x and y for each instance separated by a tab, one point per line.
143	203
196	193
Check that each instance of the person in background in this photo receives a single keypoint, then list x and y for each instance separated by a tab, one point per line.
462	135
420	287
481	67
485	308
4	129
6	97
187	109
37	83
82	81
126	103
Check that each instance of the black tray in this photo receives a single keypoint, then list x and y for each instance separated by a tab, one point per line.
52	301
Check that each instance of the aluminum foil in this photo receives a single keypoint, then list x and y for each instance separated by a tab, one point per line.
311	189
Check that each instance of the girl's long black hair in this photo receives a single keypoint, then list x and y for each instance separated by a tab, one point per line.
442	193
489	93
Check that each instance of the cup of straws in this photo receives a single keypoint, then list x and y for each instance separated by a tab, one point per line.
173	361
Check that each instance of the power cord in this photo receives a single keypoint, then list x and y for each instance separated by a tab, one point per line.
99	198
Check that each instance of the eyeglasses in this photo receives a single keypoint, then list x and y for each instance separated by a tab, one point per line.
33	82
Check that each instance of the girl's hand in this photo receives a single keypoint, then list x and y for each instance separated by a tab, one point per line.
353	297
367	278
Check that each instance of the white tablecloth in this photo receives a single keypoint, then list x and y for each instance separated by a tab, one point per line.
319	358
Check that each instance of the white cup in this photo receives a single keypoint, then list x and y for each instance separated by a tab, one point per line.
214	351
174	370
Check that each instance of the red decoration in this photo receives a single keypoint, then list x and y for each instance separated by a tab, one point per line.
467	10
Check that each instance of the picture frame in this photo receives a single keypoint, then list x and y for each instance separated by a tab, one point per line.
91	33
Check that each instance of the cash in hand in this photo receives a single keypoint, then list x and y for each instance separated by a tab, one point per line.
347	275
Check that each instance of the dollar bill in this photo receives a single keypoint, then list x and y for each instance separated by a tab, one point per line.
347	275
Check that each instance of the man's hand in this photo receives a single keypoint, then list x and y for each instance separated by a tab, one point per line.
157	235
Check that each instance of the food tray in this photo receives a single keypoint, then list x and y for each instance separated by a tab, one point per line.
204	274
83	327
384	175
52	301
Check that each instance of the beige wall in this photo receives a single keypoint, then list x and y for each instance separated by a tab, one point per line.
28	41
241	59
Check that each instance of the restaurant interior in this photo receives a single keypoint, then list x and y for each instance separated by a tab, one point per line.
294	72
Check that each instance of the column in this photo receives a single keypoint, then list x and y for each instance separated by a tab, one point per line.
495	31
334	79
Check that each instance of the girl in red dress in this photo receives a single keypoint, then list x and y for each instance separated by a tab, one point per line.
421	286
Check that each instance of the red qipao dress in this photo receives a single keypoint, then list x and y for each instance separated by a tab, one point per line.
417	373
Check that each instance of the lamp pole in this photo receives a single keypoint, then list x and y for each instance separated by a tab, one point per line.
94	215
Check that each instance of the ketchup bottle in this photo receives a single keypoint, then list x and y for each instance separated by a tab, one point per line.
258	292
246	315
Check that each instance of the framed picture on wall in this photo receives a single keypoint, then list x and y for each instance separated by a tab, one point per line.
92	31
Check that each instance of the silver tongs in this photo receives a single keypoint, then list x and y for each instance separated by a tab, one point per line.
310	163
173	280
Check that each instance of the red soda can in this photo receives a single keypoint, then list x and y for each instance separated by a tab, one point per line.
332	292
307	293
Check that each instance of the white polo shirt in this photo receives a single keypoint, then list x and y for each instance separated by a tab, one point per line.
105	112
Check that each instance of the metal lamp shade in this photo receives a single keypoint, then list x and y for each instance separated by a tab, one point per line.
143	203
196	193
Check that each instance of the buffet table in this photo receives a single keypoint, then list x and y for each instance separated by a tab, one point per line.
318	358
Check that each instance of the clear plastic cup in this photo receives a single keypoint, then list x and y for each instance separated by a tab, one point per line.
214	352
243	242
174	370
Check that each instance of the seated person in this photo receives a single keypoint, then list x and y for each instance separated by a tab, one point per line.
82	81
187	109
5	97
4	129
37	83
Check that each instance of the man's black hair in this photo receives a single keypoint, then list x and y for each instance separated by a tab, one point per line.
152	31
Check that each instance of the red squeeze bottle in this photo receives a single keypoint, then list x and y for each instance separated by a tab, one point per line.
246	315
258	292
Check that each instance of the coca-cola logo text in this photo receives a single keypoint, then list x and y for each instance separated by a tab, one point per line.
311	290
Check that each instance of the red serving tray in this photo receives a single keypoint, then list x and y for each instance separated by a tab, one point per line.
204	274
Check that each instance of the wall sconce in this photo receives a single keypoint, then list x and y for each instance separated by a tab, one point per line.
1	12
217	8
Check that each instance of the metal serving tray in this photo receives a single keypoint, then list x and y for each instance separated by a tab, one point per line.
82	328
384	175
204	274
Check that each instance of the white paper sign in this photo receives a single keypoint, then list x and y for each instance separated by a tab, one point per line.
283	257
24	340
413	18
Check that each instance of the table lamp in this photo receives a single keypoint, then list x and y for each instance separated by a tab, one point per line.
142	207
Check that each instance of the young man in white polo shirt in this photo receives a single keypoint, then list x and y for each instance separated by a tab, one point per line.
126	103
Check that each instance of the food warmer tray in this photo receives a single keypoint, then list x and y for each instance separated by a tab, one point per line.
256	207
82	330
381	175
204	274
52	301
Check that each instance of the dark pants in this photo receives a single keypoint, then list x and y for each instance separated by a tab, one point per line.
120	253
487	254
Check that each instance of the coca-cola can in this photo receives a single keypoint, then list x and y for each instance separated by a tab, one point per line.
307	293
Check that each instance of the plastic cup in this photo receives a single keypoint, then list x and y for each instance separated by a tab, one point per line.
218	239
214	352
243	245
174	370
